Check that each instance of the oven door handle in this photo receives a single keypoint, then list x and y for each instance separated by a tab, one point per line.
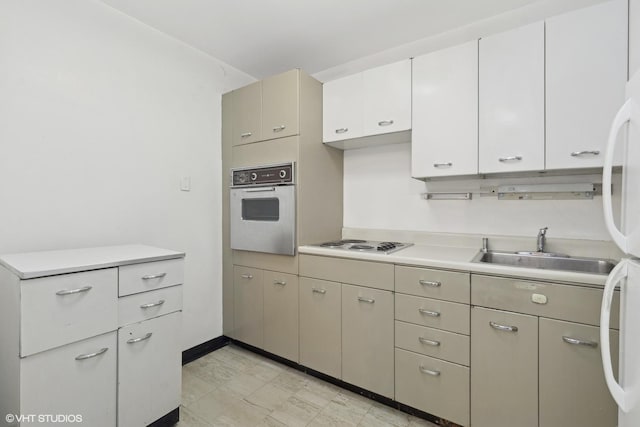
260	190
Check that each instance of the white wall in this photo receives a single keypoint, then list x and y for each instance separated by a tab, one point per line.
100	117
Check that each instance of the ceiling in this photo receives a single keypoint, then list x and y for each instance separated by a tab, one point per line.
265	37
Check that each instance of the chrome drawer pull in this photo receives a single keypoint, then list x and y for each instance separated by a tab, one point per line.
279	282
500	327
433	284
342	130
429	342
429	371
582	153
247	276
154	276
429	312
367	300
576	341
74	291
279	128
135	340
245	135
319	291
152	304
385	123
510	159
443	165
91	355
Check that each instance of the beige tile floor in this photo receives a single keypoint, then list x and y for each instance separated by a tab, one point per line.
235	387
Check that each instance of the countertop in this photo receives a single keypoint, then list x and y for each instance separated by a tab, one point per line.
457	258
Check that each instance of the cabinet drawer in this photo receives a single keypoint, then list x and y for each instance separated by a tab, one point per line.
433	342
366	273
146	305
438	284
148	276
434	386
58	310
438	314
565	302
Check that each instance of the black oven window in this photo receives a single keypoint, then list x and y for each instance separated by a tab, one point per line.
261	209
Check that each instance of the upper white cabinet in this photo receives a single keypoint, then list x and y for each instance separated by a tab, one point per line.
445	112
586	72
511	100
375	104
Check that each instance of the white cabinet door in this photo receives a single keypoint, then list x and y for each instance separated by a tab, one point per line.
512	100
445	112
75	379
387	98
342	108
149	370
586	72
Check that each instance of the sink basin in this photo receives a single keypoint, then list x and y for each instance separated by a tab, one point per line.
546	261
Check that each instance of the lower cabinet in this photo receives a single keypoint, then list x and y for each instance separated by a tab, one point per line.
248	305
281	314
321	326
367	339
149	373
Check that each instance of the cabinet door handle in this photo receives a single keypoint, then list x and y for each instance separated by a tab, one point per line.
318	291
385	123
342	130
429	342
74	291
144	338
500	327
279	282
510	159
247	276
154	276
576	341
585	152
92	355
431	283
246	135
429	312
279	128
152	304
443	165
429	371
367	300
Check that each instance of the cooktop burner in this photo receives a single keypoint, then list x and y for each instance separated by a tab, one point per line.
360	247
339	243
365	246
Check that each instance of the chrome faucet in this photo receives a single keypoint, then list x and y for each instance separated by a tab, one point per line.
542	239
485	244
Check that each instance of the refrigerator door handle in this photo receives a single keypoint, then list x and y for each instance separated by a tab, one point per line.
618	393
622	117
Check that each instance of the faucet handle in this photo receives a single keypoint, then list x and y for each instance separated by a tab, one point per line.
543	231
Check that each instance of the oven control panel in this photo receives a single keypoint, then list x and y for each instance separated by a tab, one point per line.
263	175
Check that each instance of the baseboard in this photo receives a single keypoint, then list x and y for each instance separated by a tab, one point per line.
168	420
203	349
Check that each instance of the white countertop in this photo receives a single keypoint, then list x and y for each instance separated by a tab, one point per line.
48	263
457	258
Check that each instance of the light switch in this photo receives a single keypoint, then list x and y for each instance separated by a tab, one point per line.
185	183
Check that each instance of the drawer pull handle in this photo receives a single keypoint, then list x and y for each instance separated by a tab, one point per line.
74	291
367	300
429	371
135	340
576	341
500	327
443	165
279	282
385	123
429	342
152	304
319	291
342	130
429	312
247	276
245	135
279	128
154	276
430	283
582	153
92	355
510	159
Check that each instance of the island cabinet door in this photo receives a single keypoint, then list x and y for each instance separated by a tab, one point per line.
573	391
504	369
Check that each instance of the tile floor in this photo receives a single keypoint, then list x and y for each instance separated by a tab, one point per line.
235	387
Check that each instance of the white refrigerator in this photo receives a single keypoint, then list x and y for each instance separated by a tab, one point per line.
625	391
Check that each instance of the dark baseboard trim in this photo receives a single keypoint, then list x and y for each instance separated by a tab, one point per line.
203	349
168	420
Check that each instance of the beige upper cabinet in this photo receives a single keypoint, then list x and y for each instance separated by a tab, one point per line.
511	100
586	72
247	114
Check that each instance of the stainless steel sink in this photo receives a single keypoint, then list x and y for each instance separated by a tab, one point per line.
546	261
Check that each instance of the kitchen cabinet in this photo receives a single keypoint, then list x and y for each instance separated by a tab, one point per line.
247	114
248	293
586	72
321	326
281	314
369	108
445	112
511	100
